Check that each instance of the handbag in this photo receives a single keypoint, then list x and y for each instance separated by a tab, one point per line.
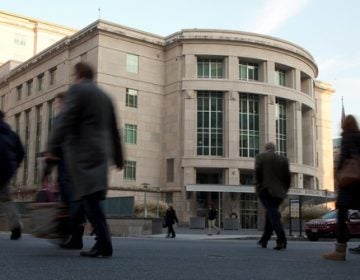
349	174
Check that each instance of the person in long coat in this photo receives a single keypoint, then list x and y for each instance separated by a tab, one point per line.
89	136
272	174
11	155
348	196
170	220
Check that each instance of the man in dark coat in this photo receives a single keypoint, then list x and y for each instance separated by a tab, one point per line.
170	220
272	175
89	136
11	155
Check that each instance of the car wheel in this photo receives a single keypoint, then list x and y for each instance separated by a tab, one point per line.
313	237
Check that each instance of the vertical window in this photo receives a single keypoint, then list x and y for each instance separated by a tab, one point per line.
29	87
18	92
2	102
210	68
26	146
17	123
170	170
249	71
248	125
20	39
130	170
50	115
210	115
37	142
280	77
40	82
130	133
132	63
52	76
131	98
281	126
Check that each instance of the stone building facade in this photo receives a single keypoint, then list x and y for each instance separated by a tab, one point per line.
195	107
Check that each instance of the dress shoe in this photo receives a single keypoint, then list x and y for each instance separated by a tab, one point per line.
96	253
262	244
15	233
280	246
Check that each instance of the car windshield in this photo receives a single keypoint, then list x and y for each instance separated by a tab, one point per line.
329	215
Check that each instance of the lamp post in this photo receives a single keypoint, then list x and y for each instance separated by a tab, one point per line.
145	185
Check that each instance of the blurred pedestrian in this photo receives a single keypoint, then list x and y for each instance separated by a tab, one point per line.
212	215
170	220
348	196
272	175
74	235
11	155
89	134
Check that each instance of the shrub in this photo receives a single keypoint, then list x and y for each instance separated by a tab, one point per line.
151	209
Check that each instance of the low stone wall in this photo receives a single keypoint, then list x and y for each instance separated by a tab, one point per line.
118	226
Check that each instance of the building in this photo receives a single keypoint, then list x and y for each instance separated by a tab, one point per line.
195	108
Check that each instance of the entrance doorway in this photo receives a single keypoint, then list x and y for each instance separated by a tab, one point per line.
248	210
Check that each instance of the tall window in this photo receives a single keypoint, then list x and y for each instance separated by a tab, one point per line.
37	142
50	115
2	102
17	123
210	68
130	170
18	92
26	146
52	76
132	63
280	77
131	98
210	113
29	86
169	170
130	133
249	71
248	125
281	126
40	82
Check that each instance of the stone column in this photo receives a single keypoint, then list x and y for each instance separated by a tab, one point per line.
190	125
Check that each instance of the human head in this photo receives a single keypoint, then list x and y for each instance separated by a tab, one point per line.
269	147
83	71
59	101
2	115
349	124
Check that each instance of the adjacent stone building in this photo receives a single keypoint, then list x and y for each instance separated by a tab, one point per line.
195	107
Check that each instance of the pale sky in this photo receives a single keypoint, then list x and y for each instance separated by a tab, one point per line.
328	29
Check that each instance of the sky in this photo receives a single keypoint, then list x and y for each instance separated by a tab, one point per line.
328	29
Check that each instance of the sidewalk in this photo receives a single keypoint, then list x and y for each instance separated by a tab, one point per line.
185	233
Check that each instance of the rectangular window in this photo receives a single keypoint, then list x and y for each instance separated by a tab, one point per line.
52	76
17	123
210	114
212	68
29	87
18	92
280	77
2	102
249	71
132	63
130	170
26	146
40	82
131	98
20	39
37	143
249	125
130	133
50	115
281	126
170	170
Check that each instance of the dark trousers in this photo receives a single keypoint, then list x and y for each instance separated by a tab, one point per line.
91	205
272	219
341	228
171	230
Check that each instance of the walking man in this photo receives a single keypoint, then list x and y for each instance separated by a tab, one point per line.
89	136
11	155
273	178
212	214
